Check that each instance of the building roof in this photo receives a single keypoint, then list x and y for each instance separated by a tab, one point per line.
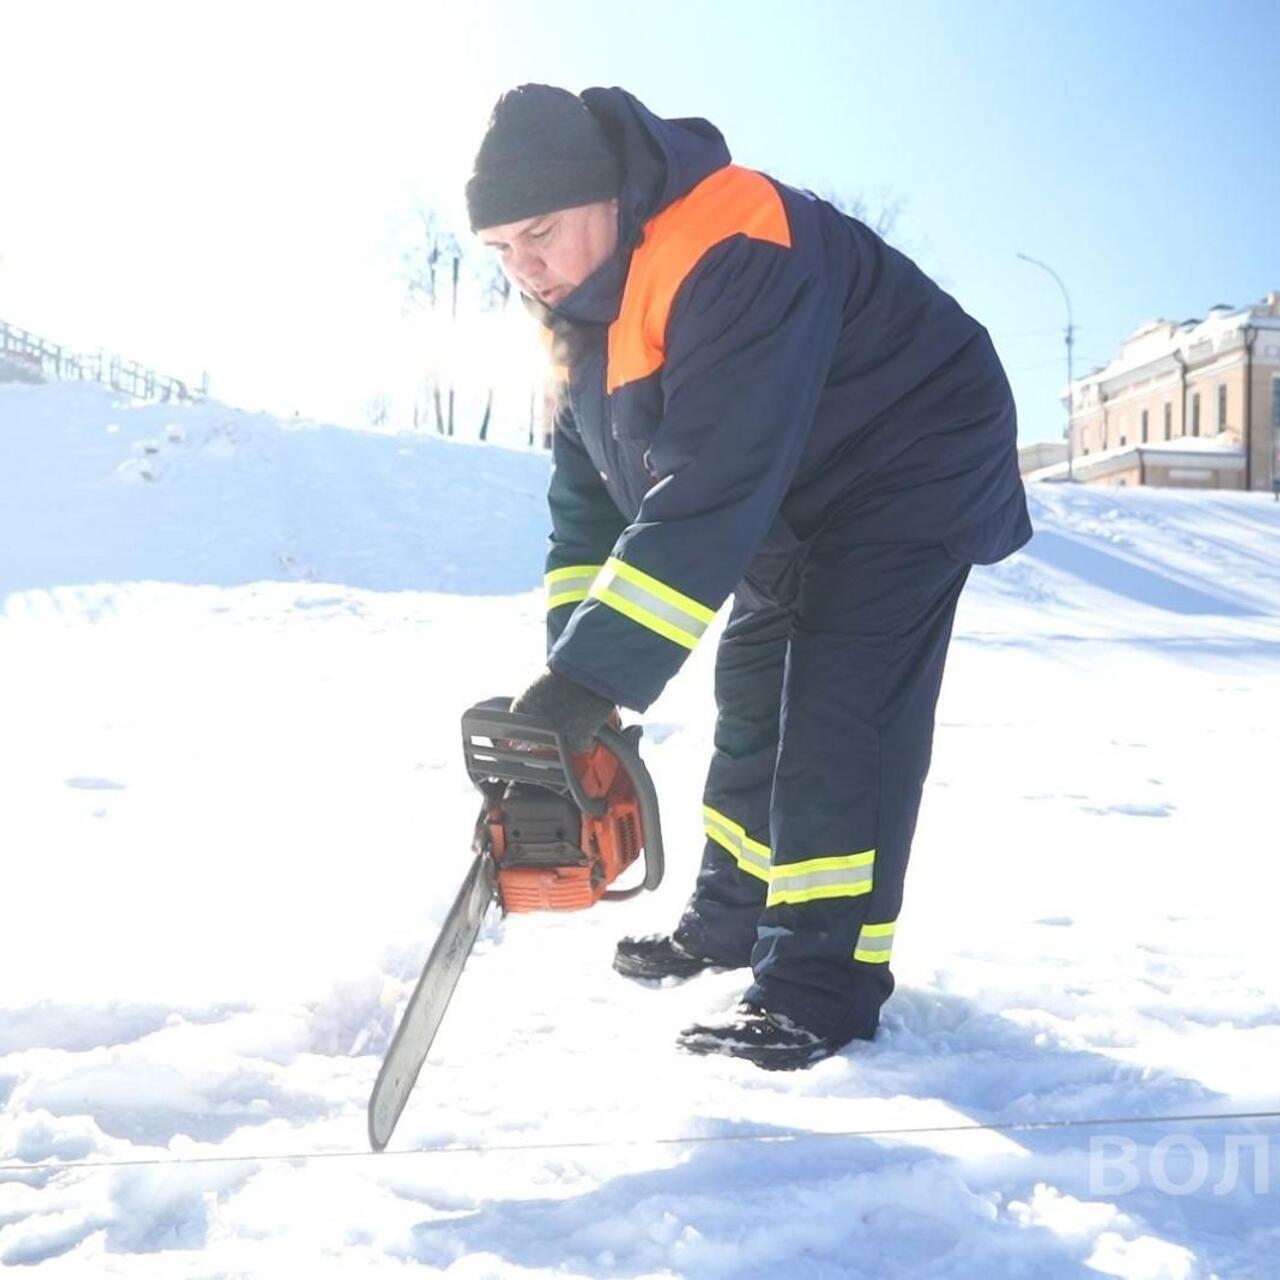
1156	341
1218	453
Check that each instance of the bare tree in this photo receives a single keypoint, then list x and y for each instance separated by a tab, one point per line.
442	274
434	255
377	410
880	210
495	295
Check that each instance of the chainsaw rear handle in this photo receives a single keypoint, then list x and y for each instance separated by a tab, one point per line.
520	749
625	748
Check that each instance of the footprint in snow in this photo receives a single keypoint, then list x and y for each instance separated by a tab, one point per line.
94	784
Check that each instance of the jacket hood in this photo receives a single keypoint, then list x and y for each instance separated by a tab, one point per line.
662	160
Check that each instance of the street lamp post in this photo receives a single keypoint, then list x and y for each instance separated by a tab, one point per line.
1070	336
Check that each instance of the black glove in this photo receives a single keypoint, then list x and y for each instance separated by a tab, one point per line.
577	713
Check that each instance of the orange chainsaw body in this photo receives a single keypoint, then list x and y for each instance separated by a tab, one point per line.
551	856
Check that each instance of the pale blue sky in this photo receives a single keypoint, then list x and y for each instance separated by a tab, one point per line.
212	185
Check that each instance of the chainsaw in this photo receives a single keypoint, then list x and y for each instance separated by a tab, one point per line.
556	829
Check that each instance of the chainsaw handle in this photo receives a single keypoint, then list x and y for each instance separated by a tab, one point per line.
624	749
509	759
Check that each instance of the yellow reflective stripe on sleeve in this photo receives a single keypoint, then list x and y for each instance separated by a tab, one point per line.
875	942
570	584
652	604
750	855
845	875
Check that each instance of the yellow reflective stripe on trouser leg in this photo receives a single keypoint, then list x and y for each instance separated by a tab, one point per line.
845	875
750	855
653	604
570	584
875	942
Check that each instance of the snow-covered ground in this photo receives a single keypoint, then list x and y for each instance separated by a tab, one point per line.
233	654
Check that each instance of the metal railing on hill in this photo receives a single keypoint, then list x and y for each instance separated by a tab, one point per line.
30	358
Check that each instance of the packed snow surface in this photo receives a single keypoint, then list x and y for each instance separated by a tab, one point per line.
233	656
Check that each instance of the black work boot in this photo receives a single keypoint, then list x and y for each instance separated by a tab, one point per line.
770	1040
659	955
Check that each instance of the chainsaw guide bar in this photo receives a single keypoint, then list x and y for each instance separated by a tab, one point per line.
556	830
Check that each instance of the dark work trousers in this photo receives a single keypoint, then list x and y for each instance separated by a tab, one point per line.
822	743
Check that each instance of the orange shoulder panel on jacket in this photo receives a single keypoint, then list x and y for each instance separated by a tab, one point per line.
732	201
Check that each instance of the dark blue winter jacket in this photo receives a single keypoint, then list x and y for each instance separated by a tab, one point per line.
748	367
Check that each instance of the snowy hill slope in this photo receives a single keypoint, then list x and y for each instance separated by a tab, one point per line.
209	495
233	652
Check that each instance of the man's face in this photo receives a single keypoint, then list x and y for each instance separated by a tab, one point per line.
549	256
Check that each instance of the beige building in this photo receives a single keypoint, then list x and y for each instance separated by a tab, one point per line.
1190	405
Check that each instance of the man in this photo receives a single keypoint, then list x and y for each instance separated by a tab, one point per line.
763	399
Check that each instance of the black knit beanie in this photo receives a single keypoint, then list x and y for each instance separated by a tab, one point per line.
543	150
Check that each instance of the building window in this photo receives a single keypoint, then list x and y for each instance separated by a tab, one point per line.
1144	426
1195	413
1222	406
1168	420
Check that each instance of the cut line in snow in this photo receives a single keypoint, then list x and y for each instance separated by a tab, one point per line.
706	1139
